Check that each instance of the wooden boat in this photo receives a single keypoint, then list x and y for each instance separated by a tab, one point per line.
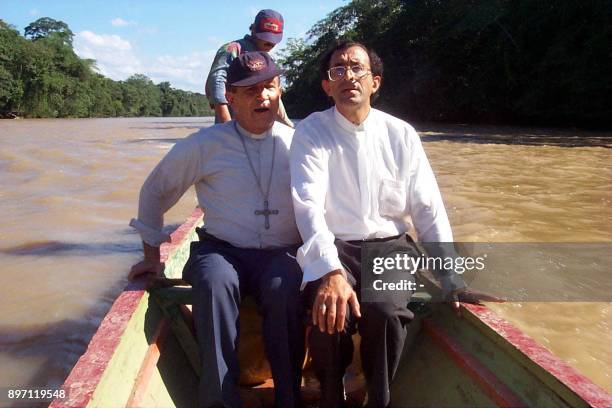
135	359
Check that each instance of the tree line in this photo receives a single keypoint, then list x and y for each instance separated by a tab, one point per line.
41	76
541	62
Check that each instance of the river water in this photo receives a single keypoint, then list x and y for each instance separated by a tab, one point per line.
69	187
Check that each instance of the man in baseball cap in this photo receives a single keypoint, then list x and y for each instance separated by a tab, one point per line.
254	73
266	32
240	170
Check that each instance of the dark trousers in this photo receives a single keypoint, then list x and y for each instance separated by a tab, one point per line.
382	328
221	275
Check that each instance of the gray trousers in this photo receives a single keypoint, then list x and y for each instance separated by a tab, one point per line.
221	275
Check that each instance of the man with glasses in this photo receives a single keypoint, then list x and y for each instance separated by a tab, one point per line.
357	174
266	32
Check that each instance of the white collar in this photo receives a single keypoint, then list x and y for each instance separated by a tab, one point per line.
256	136
347	124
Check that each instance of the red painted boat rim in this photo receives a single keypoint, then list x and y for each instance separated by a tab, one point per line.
590	392
87	372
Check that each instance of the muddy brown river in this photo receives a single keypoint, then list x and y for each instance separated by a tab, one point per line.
69	187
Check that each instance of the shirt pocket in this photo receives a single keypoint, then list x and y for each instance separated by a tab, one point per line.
391	197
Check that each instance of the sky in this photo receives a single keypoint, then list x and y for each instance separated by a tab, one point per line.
171	40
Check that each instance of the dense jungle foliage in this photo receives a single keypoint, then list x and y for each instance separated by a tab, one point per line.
41	76
544	62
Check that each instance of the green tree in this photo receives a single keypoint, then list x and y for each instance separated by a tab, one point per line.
11	85
47	27
543	62
141	97
42	76
168	98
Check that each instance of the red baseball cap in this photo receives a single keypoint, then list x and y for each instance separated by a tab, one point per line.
269	26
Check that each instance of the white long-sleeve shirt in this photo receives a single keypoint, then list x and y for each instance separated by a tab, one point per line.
214	160
360	182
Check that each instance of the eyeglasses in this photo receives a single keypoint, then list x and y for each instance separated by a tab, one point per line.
337	73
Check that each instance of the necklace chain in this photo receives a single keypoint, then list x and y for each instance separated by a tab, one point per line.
267	192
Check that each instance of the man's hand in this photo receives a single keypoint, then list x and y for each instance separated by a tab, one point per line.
329	308
471	296
151	264
146	267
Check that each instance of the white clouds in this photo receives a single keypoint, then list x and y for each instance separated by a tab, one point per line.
114	56
119	22
105	41
34	12
183	72
117	59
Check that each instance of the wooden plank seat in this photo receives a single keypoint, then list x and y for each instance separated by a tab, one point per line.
174	297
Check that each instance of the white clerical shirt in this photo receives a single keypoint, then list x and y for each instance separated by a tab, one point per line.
356	182
214	161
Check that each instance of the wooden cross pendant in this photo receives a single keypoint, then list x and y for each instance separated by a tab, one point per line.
266	212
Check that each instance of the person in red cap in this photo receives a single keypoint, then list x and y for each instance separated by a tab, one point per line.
240	171
266	32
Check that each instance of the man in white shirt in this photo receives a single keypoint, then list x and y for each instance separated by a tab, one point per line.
358	174
240	170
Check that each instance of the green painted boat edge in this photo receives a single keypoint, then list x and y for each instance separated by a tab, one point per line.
92	379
